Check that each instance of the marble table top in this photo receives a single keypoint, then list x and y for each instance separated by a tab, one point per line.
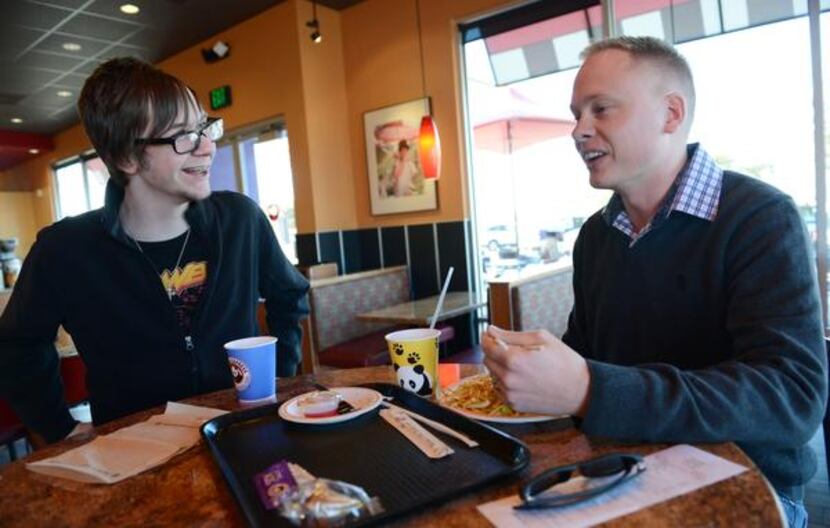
419	313
189	489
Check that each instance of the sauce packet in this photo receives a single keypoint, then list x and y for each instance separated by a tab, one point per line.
306	500
272	483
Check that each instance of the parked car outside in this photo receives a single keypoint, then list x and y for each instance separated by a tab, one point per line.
499	237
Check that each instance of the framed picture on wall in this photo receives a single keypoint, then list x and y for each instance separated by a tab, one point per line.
396	180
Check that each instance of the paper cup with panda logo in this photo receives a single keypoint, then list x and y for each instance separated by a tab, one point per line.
253	363
414	356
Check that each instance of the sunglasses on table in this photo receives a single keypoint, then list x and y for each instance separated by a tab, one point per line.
189	140
537	492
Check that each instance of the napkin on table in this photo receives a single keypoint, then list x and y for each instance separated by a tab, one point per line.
131	450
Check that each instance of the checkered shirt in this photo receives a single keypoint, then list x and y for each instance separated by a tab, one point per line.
696	191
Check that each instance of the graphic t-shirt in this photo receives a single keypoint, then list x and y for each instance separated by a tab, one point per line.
185	284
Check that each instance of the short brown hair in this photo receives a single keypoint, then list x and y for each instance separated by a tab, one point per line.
120	100
657	52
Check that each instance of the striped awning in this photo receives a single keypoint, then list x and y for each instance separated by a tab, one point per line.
546	37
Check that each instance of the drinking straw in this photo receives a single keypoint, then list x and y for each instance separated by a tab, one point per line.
441	298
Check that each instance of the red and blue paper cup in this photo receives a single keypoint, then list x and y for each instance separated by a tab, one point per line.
253	362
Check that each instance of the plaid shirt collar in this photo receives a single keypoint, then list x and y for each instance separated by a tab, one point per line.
695	191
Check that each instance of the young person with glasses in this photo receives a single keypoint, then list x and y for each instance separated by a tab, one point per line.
696	315
153	284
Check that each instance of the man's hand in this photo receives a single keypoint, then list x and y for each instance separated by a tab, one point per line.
536	372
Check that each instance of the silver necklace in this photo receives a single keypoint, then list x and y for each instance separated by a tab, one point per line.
171	291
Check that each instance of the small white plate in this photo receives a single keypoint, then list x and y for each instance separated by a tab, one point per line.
494	418
362	399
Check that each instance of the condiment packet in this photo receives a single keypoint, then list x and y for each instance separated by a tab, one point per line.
304	499
272	483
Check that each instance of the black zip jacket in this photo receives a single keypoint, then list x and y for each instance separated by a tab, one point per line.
84	273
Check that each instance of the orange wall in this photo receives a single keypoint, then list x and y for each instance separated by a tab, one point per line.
17	219
265	75
368	59
380	43
324	86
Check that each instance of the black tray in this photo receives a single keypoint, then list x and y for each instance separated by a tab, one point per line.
365	451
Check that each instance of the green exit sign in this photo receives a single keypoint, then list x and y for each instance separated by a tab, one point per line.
220	97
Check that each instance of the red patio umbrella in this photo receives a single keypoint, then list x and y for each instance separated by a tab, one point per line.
507	121
513	133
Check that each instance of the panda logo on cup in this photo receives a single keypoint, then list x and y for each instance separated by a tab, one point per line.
240	372
415	379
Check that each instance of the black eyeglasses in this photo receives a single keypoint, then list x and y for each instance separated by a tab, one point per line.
534	496
189	140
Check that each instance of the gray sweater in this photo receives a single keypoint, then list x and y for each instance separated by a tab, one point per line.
706	331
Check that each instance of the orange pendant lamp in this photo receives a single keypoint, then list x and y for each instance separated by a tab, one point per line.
429	143
429	148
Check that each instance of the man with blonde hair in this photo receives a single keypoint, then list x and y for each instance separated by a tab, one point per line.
696	313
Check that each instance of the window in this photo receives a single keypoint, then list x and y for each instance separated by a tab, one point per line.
275	189
741	118
530	191
257	163
80	185
526	178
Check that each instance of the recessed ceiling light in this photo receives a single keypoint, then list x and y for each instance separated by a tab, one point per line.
34	151
16	120
71	46
64	93
129	9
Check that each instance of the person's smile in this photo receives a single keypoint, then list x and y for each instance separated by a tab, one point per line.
197	170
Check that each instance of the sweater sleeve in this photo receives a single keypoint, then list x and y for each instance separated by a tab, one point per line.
285	292
771	387
574	335
29	366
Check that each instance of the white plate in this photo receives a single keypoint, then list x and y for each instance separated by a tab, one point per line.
529	418
504	419
363	400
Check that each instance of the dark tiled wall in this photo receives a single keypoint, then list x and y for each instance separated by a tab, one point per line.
328	247
306	248
361	250
394	246
425	248
452	248
422	261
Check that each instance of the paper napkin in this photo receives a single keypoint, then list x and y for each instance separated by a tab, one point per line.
129	451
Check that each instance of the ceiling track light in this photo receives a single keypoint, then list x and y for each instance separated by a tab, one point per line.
316	37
